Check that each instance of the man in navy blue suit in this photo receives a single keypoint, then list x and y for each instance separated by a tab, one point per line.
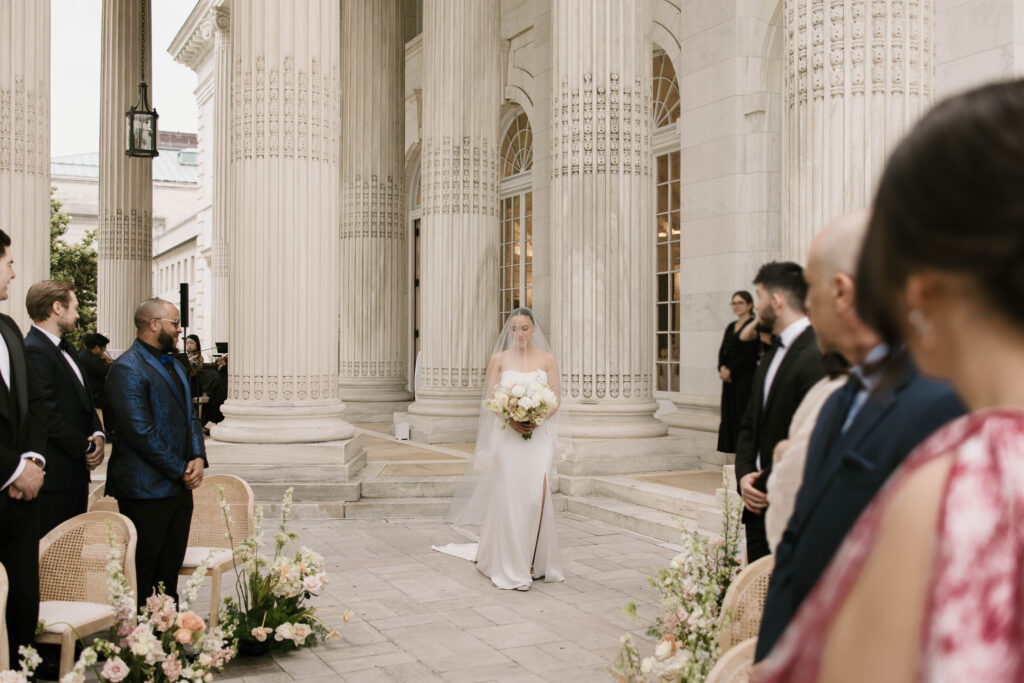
75	442
864	430
159	455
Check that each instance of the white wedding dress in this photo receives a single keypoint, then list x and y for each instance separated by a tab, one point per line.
518	531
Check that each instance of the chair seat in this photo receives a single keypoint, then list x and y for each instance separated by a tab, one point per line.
194	555
58	614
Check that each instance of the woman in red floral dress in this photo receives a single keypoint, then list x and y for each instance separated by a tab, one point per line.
929	584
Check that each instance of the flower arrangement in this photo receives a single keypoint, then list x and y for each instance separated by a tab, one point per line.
521	401
691	589
30	659
271	610
164	642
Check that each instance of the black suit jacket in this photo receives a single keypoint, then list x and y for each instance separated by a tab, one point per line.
765	425
95	371
71	414
841	477
22	411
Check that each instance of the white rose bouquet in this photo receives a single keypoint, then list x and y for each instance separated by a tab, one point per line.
522	401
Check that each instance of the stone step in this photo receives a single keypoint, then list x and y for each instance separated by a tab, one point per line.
273	492
636	518
411	487
300	512
702	508
397	508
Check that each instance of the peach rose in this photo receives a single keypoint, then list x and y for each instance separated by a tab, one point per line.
191	621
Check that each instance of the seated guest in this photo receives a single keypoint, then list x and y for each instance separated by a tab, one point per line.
864	431
74	435
791	454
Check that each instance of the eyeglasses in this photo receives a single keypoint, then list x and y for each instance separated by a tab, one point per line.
176	321
738	303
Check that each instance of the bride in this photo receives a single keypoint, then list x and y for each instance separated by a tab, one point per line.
505	492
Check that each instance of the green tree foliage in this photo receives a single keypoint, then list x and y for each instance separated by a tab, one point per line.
75	263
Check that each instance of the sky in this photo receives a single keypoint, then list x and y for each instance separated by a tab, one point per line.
75	74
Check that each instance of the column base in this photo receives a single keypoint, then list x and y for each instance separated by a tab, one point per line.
697	418
442	420
282	424
612	421
374	401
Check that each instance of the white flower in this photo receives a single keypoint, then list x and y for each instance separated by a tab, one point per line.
72	677
646	665
300	633
144	644
663	650
284	632
518	391
314	583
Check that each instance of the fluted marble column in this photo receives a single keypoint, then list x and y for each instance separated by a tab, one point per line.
282	237
125	238
374	249
459	237
858	75
219	22
602	217
25	144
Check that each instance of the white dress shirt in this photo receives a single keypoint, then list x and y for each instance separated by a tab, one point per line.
786	339
5	370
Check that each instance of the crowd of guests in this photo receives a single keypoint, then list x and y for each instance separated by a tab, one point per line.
879	438
52	438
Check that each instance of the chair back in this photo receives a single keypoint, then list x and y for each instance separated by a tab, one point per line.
208	529
5	654
734	666
99	500
73	557
743	604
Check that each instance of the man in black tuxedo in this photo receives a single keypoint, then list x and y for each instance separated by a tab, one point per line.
22	442
863	432
75	443
787	371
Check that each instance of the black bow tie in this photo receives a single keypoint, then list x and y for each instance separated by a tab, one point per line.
66	347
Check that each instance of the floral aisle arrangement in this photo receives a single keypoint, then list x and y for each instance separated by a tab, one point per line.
164	642
521	401
271	610
30	659
691	589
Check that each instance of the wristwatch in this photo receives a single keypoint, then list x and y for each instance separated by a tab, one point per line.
37	460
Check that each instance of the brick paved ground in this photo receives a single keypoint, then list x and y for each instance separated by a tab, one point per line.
424	616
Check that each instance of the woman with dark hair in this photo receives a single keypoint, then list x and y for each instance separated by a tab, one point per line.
927	586
737	360
193	350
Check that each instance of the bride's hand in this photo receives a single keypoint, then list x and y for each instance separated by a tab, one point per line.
522	427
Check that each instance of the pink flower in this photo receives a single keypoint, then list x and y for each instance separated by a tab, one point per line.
161	609
191	621
172	668
183	636
115	670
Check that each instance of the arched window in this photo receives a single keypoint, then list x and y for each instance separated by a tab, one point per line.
516	215
668	219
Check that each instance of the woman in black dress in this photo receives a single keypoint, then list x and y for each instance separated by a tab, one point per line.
736	362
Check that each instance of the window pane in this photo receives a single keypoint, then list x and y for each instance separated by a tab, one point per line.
662	198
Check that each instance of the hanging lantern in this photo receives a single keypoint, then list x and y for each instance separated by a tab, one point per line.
141	120
142	127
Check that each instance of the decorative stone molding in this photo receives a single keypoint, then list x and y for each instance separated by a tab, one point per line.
602	191
374	247
282	236
25	144
218	22
125	236
858	74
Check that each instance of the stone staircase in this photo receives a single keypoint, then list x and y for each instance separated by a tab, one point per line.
379	477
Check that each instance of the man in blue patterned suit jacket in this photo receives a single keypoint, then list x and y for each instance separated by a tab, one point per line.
159	456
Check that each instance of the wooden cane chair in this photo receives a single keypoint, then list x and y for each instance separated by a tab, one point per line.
734	666
74	600
208	534
5	656
99	500
743	604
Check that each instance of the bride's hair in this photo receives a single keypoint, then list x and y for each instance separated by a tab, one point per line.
522	310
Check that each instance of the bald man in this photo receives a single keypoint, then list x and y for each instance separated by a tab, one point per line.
864	430
159	455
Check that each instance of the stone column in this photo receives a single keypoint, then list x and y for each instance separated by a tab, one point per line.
459	234
25	145
374	249
220	23
602	218
282	239
125	238
858	74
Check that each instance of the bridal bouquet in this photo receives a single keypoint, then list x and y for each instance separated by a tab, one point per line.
521	401
164	642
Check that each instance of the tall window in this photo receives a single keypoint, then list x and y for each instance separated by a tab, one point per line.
516	216
668	215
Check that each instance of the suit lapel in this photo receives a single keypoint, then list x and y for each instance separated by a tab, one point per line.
79	386
787	362
16	352
155	363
